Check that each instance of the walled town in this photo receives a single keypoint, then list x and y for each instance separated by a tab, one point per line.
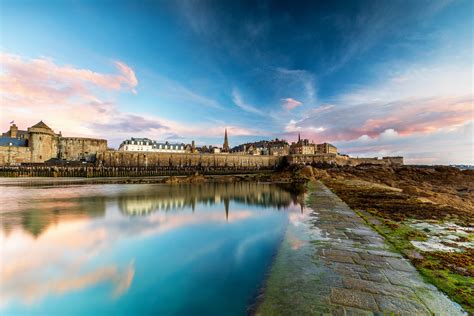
40	146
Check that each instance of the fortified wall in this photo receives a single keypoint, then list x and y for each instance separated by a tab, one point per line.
76	148
40	143
334	159
154	159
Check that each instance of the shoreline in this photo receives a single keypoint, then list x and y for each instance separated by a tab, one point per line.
336	263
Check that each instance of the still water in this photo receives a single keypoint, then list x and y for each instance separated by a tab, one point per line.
95	249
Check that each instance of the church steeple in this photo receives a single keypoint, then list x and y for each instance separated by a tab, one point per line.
299	137
225	147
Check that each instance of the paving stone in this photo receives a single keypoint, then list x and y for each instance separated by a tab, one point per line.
377	287
438	303
343	259
336	252
349	311
378	264
353	298
372	257
411	279
384	253
400	264
353	267
377	277
400	306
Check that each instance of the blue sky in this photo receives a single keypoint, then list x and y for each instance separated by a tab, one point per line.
373	77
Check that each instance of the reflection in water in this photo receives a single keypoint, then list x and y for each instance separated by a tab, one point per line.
84	249
188	195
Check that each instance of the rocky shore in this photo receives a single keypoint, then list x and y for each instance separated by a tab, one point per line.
426	213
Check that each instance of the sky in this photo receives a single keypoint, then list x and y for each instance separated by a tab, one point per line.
375	78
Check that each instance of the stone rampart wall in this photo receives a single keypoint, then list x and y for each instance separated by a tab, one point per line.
13	155
76	148
150	159
334	159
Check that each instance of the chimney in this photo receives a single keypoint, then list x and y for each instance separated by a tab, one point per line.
13	131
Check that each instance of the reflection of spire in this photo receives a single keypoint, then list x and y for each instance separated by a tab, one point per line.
226	205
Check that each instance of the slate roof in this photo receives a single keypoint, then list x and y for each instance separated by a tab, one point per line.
6	141
41	124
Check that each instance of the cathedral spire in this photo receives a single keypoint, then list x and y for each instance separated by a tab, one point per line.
225	147
299	137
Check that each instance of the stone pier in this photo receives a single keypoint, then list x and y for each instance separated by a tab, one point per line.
332	262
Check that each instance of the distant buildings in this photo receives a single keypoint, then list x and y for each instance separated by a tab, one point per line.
302	147
146	144
326	148
40	144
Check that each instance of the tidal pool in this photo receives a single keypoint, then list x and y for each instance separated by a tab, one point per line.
95	249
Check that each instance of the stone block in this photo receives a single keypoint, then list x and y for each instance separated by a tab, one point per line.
353	298
389	304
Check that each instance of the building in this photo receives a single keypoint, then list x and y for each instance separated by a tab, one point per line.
326	148
146	144
302	147
39	143
278	147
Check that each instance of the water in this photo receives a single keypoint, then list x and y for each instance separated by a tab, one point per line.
95	249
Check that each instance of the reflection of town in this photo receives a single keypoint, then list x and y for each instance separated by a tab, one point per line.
189	195
39	215
144	200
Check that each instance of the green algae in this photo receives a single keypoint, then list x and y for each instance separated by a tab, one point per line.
457	287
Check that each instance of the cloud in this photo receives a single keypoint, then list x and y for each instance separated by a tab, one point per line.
42	81
290	103
71	100
421	98
237	99
449	145
297	80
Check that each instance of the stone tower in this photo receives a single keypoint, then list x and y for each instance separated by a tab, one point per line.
225	147
42	142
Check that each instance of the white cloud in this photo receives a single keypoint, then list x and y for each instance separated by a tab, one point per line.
238	100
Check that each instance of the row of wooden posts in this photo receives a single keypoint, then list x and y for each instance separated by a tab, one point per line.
95	171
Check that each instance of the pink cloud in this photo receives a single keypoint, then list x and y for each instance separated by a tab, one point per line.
290	103
409	116
33	89
42	81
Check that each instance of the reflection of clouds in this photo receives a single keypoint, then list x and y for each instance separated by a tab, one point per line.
56	257
53	262
245	244
57	240
29	288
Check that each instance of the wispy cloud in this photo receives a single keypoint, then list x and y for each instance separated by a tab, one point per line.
238	100
298	80
290	103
